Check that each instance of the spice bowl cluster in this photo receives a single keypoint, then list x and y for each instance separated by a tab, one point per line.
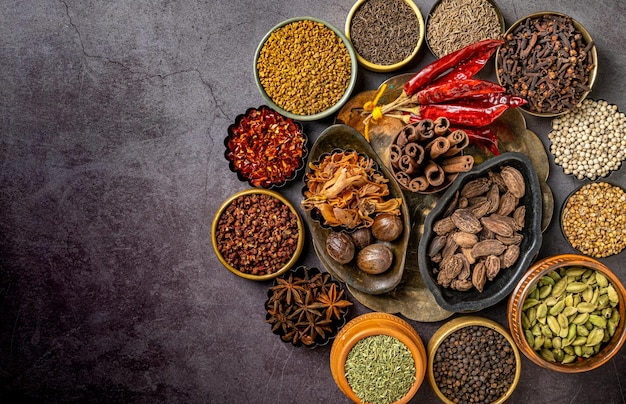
446	198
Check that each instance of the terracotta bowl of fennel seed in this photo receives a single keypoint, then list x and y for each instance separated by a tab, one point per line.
385	34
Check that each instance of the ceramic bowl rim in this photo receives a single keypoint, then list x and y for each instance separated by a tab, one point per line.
588	38
346	95
456	324
299	245
387	68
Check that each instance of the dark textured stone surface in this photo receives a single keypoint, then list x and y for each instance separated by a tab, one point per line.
112	117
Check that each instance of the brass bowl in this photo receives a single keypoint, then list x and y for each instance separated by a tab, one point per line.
330	110
387	68
587	38
521	292
450	328
371	324
299	244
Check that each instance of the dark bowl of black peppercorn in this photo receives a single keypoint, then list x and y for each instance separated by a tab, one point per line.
477	245
306	307
473	359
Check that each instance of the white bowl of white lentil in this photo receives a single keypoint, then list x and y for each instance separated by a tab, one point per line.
305	68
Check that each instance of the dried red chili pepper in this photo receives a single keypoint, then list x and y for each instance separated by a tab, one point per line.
463	115
468	68
432	71
486	100
454	90
483	137
266	147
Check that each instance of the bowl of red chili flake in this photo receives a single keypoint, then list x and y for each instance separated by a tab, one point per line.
257	234
265	148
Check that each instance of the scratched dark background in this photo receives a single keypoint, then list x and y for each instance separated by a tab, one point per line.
112	117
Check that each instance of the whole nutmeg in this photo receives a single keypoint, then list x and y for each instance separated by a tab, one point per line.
387	227
362	237
340	247
374	259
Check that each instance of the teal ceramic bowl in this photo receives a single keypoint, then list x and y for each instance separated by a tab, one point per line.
331	109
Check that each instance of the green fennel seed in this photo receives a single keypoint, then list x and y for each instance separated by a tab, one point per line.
380	369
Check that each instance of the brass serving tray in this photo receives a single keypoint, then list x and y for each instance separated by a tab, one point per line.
411	297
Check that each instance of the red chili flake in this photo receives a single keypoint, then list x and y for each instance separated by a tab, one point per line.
266	147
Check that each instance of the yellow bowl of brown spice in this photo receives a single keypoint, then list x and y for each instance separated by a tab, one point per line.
454	24
257	234
593	219
386	34
305	68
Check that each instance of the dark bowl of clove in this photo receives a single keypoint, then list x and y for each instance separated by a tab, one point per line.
550	59
483	234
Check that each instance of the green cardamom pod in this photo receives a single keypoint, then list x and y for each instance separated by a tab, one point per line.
557	342
579	341
610	329
602	280
557	308
536	330
575	271
529	302
530	338
595	337
576	287
569	311
568	358
546	280
607	312
587	294
603	301
542	311
551	301
539	340
595	297
581	318
562	319
559	287
613	299
598	321
569	300
569	350
547	355
532	315
545	291
546	331
554	326
554	275
558	354
578	350
525	322
585	307
582	330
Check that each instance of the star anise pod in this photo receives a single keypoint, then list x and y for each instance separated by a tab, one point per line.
308	308
288	289
333	302
280	318
316	326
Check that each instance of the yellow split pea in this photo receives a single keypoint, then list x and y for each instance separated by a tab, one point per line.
304	67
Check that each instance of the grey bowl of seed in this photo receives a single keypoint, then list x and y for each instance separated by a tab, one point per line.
454	24
305	68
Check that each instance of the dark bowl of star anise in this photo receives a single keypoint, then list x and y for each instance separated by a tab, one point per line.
306	307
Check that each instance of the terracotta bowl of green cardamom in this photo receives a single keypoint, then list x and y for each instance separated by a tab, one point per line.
378	357
305	68
567	313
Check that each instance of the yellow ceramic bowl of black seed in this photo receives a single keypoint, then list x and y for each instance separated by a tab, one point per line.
567	313
257	234
550	59
386	34
454	24
305	68
473	359
378	357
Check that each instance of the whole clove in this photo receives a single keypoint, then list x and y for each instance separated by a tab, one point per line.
547	60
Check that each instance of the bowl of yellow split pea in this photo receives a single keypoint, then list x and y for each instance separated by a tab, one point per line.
305	68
